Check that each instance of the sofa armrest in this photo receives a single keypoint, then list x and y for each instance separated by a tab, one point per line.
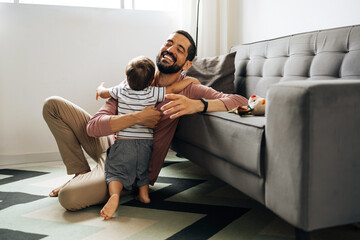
313	152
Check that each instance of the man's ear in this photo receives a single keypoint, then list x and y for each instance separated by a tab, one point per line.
187	65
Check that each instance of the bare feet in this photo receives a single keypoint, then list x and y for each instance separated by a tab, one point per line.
55	192
144	194
143	199
110	207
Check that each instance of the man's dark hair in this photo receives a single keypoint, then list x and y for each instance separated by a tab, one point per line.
192	48
140	73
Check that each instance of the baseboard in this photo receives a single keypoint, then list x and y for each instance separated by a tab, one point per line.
29	158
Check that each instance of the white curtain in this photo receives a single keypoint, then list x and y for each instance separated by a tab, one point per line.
219	24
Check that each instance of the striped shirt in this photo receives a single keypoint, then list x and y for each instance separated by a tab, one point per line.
130	100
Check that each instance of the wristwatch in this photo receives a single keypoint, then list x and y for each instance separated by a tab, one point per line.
205	104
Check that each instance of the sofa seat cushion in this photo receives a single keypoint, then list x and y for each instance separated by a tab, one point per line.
238	140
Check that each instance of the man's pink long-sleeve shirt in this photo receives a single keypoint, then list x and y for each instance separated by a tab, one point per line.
99	124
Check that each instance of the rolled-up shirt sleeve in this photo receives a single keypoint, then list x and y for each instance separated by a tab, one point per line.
99	124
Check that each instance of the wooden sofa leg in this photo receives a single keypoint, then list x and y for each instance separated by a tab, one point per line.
301	234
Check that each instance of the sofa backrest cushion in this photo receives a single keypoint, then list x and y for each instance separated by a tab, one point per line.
326	54
216	72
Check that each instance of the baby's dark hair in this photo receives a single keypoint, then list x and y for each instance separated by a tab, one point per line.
140	73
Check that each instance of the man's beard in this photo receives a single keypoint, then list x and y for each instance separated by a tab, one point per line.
167	69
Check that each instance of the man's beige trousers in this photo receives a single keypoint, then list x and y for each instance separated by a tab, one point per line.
67	122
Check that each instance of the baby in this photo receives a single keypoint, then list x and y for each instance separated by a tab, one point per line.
128	158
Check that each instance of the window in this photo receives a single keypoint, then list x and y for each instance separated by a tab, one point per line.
162	5
153	5
77	3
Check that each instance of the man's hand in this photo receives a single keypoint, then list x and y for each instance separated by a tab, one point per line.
181	105
148	117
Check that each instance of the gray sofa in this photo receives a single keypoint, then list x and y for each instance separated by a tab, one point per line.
302	159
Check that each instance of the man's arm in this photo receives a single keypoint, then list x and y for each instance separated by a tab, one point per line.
217	101
181	105
106	121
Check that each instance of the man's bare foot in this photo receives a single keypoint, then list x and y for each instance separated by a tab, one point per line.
143	194
55	192
110	207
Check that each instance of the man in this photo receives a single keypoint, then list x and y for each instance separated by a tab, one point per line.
68	122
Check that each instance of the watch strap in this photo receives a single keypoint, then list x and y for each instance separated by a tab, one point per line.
206	104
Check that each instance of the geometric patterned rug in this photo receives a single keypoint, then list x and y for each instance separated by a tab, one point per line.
186	203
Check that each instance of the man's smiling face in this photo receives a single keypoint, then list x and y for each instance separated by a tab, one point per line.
173	54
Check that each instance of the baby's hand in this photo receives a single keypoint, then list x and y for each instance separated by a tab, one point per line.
193	80
99	89
196	81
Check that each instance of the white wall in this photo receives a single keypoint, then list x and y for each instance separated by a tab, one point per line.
265	19
64	51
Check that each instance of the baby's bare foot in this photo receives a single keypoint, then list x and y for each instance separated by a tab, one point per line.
143	194
143	199
110	207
